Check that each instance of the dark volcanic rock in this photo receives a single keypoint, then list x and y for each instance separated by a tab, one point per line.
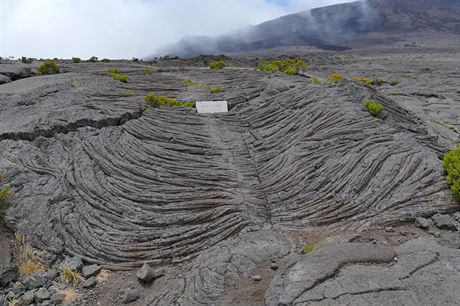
422	223
130	295
444	222
89	271
145	273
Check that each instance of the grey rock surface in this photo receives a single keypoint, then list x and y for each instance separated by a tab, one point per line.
445	222
73	263
41	295
28	297
130	295
422	223
145	273
92	270
90	282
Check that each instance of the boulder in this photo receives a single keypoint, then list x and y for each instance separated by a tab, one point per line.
89	271
28	298
72	263
146	273
444	222
422	223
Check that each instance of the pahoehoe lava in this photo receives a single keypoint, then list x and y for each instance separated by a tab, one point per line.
170	183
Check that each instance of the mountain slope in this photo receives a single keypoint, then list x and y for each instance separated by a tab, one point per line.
338	27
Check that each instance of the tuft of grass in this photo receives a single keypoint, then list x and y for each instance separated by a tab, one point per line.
451	165
159	101
76	60
374	108
334	78
120	77
105	60
310	247
315	80
215	89
217	64
113	70
377	82
362	80
453	128
48	67
288	66
394	82
190	82
25	257
69	276
74	84
27	60
147	70
70	295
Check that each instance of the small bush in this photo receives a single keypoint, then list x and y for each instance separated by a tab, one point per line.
25	257
215	89
70	277
159	101
113	70
76	60
135	59
451	164
105	60
360	80
316	81
74	84
373	107
120	77
217	64
26	60
147	70
289	66
334	78
310	247
48	67
92	59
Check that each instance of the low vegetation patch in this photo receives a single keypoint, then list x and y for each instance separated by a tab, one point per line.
190	82
25	257
310	247
159	101
147	70
451	164
48	67
120	77
5	195
215	89
394	82
334	78
113	70
315	80
92	59
76	60
374	108
288	66
74	84
27	60
217	64
69	276
105	60
361	80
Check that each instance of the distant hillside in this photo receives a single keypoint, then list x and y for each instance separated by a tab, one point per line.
337	27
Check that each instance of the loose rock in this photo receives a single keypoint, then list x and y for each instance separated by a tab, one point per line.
89	271
145	274
90	282
444	222
52	274
73	263
41	295
28	297
130	295
256	278
422	223
57	298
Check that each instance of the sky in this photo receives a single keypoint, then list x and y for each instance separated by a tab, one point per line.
126	28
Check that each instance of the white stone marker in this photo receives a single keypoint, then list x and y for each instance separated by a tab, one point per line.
211	106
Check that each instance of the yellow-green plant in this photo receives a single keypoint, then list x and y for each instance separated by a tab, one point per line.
113	70
362	80
451	164
74	84
215	89
374	108
217	64
69	276
310	247
147	70
315	80
334	78
48	67
26	258
5	191
159	101
120	77
288	66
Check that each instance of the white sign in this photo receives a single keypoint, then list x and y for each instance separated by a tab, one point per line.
211	106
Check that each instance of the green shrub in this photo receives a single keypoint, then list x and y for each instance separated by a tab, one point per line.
76	60
310	247
451	164
105	60
26	60
92	59
215	89
48	67
190	82
373	107
120	77
5	191
334	78
113	70
361	80
159	101
315	80
288	66
217	64
74	84
147	70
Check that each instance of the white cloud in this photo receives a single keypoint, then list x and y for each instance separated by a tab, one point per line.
126	28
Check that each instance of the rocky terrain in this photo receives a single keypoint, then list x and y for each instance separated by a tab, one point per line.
296	196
